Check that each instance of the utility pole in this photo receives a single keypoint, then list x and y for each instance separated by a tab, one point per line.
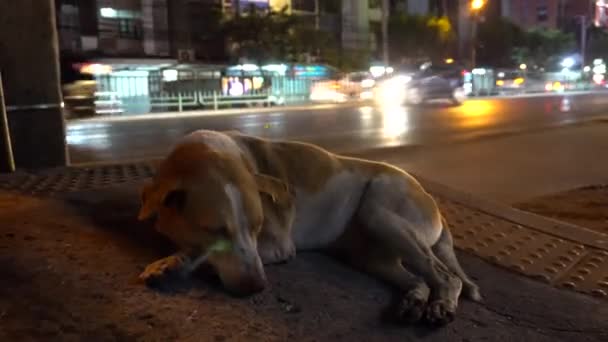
476	7
583	39
444	8
385	14
317	15
474	41
317	25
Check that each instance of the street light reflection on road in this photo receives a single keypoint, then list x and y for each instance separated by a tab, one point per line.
476	113
395	121
366	113
81	133
95	136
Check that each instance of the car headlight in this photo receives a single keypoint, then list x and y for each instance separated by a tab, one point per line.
391	93
368	83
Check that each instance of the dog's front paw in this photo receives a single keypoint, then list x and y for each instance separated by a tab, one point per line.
161	270
411	306
440	312
273	255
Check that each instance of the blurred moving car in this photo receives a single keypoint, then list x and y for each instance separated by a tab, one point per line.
79	88
327	91
510	82
430	82
354	85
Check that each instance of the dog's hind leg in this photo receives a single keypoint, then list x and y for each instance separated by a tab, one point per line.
397	235
444	250
413	291
362	251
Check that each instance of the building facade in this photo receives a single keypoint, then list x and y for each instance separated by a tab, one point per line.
533	13
126	28
183	30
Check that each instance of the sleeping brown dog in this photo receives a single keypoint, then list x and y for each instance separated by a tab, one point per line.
238	202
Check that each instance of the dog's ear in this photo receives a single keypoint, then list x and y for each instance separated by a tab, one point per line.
275	188
154	195
146	208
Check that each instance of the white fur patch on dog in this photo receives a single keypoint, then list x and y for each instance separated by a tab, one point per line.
236	204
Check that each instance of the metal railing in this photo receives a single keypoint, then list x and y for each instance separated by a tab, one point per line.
212	99
120	94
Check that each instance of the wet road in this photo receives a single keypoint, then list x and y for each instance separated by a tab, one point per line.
344	129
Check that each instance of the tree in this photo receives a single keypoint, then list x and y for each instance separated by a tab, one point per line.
260	36
496	41
598	44
542	47
417	37
265	36
307	41
211	35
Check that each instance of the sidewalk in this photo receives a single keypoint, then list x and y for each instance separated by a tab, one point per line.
69	257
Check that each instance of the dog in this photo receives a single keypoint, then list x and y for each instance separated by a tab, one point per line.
237	202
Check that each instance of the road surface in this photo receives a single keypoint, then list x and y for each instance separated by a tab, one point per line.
340	129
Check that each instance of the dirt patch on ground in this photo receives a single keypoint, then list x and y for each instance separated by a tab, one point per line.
68	270
586	207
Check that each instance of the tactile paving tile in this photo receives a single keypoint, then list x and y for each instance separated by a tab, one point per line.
590	275
77	179
553	259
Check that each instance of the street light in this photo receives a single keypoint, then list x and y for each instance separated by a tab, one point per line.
568	62
476	5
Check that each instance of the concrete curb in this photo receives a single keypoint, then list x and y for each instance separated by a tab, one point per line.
223	112
541	94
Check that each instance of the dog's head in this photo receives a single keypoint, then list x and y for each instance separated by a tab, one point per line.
208	203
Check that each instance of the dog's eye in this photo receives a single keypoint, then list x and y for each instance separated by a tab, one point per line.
175	199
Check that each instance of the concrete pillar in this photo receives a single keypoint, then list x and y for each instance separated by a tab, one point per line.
29	62
355	24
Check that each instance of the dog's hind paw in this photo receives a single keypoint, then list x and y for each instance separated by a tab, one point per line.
472	292
440	312
411	307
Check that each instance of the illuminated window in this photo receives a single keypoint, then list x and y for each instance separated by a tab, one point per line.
129	28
